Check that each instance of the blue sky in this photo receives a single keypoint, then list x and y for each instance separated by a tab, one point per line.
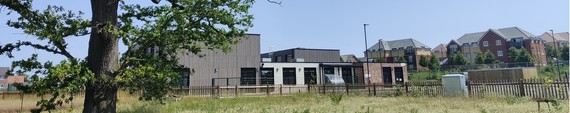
337	24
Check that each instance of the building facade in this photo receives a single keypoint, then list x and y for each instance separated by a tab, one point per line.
440	51
498	41
219	68
410	49
304	55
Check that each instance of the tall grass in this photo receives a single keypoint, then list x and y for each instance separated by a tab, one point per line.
302	103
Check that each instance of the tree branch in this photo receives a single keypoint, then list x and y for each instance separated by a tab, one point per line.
8	48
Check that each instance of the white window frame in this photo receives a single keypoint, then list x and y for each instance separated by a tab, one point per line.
498	42
485	43
468	55
500	53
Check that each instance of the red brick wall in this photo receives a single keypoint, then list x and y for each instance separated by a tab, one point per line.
491	37
376	75
537	50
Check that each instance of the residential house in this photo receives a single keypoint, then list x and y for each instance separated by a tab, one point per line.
219	68
348	58
467	45
440	51
7	82
498	41
303	55
409	49
561	39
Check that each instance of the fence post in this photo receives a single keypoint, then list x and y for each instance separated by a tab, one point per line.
22	103
267	91
374	86
309	88
3	94
219	93
236	90
468	83
346	87
521	88
281	89
406	88
368	86
324	88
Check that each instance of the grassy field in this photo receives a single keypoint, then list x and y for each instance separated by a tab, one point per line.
312	103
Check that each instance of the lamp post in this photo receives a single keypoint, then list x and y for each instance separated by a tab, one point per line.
556	55
366	52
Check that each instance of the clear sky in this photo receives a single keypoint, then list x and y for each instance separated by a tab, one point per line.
337	24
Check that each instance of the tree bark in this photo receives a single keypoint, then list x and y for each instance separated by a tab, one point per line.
102	59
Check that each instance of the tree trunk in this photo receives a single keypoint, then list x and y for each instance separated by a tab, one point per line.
102	59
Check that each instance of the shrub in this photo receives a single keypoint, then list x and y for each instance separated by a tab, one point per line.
335	97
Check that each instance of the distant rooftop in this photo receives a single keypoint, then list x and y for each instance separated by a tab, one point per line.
402	43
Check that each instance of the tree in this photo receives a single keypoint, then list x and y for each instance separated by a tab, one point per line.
182	25
480	59
519	55
514	54
424	61
401	59
433	63
551	51
490	58
564	53
380	59
457	59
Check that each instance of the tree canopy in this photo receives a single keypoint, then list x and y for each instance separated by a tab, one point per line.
187	26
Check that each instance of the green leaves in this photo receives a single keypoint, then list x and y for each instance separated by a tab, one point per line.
189	28
62	81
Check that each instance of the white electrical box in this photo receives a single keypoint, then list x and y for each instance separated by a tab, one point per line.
454	85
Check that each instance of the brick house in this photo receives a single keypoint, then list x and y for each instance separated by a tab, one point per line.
410	49
498	41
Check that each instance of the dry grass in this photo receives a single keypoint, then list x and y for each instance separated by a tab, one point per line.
303	103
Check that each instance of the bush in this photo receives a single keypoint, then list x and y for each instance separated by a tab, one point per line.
335	97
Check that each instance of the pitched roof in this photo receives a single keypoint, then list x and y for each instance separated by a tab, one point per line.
513	32
402	43
440	47
564	35
346	57
546	36
13	79
470	37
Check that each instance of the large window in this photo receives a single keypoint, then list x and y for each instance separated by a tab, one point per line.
247	76
347	75
498	42
453	48
328	70
184	79
289	76
499	53
267	76
485	43
310	75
